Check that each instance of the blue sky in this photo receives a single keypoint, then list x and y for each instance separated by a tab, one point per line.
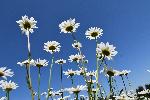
125	23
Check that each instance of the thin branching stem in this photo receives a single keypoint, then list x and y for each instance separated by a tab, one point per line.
83	66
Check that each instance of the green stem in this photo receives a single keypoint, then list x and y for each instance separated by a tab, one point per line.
39	75
116	87
29	82
97	73
50	76
128	80
7	95
71	80
74	38
124	84
110	85
61	73
76	96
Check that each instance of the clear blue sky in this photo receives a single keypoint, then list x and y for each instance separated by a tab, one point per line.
126	24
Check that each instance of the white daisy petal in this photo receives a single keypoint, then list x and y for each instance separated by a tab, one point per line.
8	86
52	46
27	25
93	33
60	61
105	50
40	63
69	26
4	73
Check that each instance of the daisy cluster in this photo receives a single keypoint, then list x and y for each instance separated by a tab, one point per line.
92	88
5	85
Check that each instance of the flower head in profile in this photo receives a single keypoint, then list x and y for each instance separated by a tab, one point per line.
26	62
64	98
106	50
77	89
4	73
50	94
52	46
70	72
8	86
27	24
110	72
91	73
93	33
124	72
124	96
81	71
76	58
40	63
144	92
69	26
60	61
77	45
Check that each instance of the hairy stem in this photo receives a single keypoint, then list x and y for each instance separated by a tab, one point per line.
7	95
124	84
50	76
61	73
39	75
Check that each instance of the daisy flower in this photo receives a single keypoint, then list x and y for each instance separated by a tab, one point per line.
60	61
91	81
52	46
50	94
124	96
125	72
110	72
76	58
106	50
26	62
64	98
146	91
27	24
91	73
93	33
69	26
77	45
70	72
8	86
81	71
6	72
77	89
40	63
3	98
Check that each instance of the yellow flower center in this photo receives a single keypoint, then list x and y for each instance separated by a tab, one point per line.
105	52
1	74
110	73
52	48
39	65
8	89
69	28
27	25
94	34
